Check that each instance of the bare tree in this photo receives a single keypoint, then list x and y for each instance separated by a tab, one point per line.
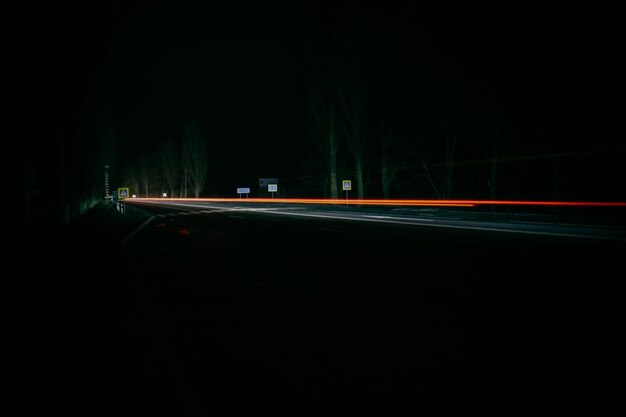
494	114
449	124
195	157
170	166
352	99
388	171
323	110
131	179
143	175
493	162
450	141
415	154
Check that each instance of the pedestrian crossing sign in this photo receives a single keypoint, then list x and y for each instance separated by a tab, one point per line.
123	193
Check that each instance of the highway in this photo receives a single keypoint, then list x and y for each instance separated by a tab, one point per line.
427	217
277	302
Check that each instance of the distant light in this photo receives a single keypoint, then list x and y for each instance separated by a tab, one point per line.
134	195
164	195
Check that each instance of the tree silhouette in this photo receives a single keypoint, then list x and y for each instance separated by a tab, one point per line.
324	113
195	157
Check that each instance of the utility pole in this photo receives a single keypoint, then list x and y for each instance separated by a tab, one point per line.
107	193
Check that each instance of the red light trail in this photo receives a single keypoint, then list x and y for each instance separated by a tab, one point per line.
381	202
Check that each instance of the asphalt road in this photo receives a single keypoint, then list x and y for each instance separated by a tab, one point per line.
455	218
228	304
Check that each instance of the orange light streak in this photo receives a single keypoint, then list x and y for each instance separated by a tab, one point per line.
381	202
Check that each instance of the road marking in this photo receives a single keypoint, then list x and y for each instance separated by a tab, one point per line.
137	230
584	225
450	226
235	217
413	222
529	222
400	218
562	224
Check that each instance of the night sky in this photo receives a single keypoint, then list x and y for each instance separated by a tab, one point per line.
138	70
242	85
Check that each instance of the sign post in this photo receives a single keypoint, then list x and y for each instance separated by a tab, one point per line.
347	186
272	188
123	193
265	182
245	191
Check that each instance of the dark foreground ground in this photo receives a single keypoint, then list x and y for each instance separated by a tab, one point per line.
198	312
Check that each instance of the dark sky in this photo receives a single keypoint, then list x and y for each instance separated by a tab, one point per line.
241	69
237	73
238	78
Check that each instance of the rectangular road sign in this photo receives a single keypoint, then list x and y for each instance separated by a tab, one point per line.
243	190
123	193
346	185
264	182
272	188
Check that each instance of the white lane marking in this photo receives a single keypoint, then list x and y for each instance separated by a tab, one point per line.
400	218
137	230
446	226
450	226
584	225
562	224
214	209
184	213
529	222
204	206
235	217
193	213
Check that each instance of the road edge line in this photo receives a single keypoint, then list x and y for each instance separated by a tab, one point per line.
137	230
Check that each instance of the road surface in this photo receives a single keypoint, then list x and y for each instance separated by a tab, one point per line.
280	303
